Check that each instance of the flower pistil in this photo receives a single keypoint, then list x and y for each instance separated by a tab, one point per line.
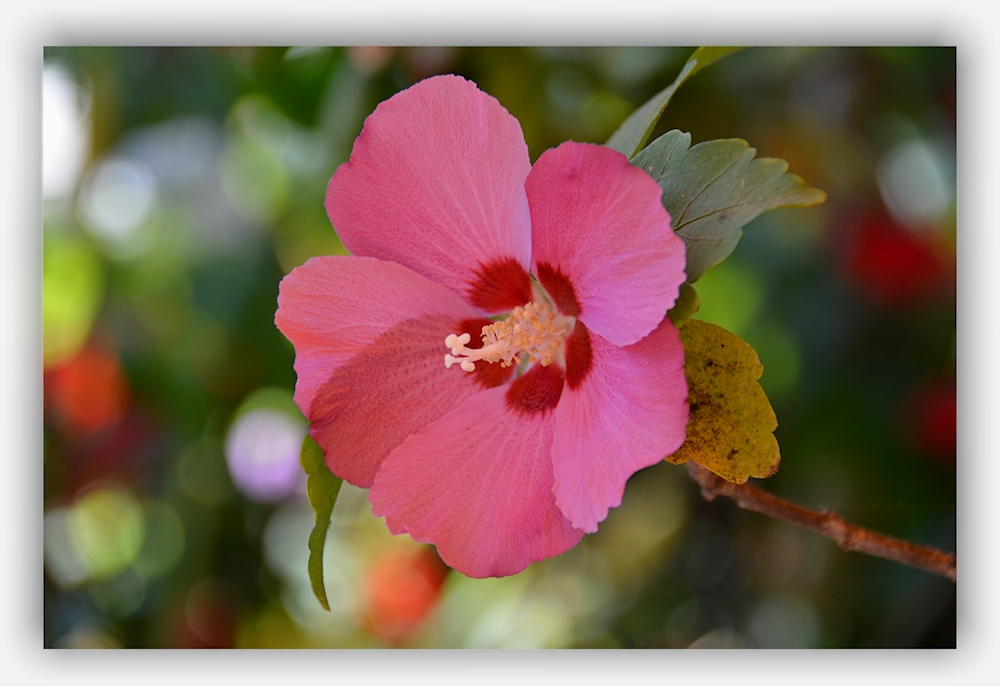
533	330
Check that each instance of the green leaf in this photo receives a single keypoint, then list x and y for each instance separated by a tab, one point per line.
322	488
731	427
713	189
686	306
636	130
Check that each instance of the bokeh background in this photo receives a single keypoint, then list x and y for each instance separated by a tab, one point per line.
181	184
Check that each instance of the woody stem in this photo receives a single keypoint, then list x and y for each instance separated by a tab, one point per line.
826	523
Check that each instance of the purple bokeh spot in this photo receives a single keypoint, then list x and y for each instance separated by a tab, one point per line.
262	453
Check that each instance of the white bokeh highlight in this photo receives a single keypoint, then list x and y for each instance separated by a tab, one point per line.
913	181
65	131
117	200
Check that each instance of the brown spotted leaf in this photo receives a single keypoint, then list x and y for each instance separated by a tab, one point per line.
731	428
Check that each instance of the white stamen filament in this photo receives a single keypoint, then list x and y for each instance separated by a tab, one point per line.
533	330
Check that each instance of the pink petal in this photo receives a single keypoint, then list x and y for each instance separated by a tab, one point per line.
477	483
436	183
395	386
601	240
621	411
369	340
332	307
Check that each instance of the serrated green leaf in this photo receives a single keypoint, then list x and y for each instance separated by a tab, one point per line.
731	427
686	306
636	130
713	189
322	488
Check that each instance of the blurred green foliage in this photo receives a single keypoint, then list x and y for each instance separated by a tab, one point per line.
165	267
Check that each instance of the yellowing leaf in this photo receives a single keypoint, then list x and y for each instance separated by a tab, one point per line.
731	429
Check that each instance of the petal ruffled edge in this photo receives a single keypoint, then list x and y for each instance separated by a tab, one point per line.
477	483
626	411
436	183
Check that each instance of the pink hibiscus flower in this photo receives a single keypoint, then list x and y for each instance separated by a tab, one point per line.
505	450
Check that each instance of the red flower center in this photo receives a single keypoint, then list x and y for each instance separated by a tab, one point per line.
532	333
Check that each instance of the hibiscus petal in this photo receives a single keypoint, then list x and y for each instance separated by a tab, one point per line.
477	483
627	410
436	183
395	386
601	240
332	307
369	339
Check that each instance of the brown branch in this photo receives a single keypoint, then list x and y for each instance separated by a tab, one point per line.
826	523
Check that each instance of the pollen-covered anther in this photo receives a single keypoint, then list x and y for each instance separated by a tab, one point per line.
532	330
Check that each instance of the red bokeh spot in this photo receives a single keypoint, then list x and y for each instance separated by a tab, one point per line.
87	393
932	419
214	626
211	616
560	288
403	587
537	391
500	286
893	265
117	454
